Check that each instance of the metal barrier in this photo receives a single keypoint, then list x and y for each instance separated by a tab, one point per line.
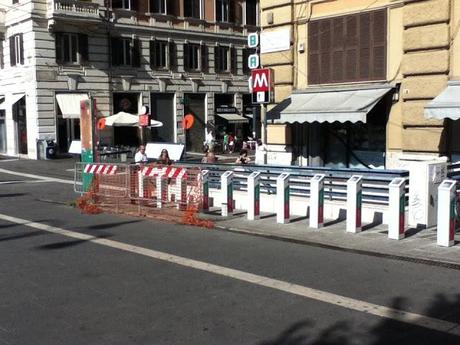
375	182
173	193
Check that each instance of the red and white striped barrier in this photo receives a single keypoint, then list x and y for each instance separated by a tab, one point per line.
103	169
169	172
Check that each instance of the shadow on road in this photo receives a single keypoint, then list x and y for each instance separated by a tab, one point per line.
12	195
387	331
19	236
67	244
111	225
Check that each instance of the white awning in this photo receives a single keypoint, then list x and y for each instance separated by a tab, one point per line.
329	104
69	103
446	105
233	118
2	103
10	101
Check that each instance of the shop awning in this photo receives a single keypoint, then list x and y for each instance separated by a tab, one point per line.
329	104
69	103
446	105
233	118
2	103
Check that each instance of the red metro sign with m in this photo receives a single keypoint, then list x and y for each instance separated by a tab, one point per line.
261	85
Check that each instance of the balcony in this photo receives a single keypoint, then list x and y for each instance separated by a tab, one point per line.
73	9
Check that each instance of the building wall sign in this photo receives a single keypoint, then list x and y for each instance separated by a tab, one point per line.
275	41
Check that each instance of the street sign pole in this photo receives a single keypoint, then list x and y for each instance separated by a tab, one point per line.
263	120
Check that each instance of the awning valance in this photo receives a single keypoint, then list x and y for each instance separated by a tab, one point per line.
233	118
329	104
446	104
69	103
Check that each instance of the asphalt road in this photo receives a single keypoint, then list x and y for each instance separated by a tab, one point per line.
58	289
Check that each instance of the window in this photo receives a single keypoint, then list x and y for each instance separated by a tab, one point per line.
71	48
15	2
158	6
125	52
159	54
222	11
125	4
251	12
222	57
192	8
347	49
16	50
195	57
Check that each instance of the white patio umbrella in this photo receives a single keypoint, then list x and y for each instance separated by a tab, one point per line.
123	119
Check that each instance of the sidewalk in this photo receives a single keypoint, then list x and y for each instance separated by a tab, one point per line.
419	245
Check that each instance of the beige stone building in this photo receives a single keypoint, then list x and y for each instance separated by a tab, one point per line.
363	83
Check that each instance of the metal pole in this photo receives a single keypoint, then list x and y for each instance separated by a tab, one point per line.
263	120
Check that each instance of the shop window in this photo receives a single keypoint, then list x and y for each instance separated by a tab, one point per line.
192	8
16	50
125	52
348	48
71	48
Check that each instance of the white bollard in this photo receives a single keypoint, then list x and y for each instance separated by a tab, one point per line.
226	188
254	195
397	208
162	190
446	213
317	201
282	198
181	190
205	184
354	203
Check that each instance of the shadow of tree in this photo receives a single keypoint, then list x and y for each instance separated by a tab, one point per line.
387	331
110	225
67	244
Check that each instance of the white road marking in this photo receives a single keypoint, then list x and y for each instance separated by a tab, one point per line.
38	177
284	286
9	160
22	181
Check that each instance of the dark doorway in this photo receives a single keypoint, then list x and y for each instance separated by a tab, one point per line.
194	104
162	109
20	117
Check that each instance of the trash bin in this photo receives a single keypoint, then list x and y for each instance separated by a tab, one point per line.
50	149
41	149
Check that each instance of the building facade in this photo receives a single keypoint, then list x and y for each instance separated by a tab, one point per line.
176	56
364	83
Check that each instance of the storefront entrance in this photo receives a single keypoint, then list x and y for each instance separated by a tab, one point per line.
162	109
194	137
20	120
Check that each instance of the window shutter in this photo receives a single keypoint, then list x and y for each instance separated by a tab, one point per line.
364	62
21	49
379	42
136	53
338	49
234	60
12	52
186	56
58	44
351	48
325	50
172	56
313	53
217	58
204	58
83	48
152	53
237	12
231	12
116	51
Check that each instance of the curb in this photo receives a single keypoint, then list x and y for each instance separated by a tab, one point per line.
407	258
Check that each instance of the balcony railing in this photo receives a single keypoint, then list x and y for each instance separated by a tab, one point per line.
73	8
